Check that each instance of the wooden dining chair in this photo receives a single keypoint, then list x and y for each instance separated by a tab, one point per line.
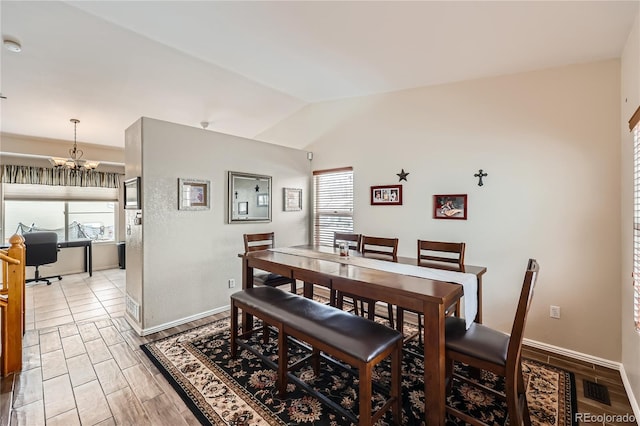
264	241
378	248
440	255
352	239
491	350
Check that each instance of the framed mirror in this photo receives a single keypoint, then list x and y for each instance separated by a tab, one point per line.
249	197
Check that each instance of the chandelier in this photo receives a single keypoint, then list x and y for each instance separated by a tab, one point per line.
75	161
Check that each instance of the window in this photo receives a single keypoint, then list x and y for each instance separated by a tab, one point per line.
633	124
71	220
73	212
333	204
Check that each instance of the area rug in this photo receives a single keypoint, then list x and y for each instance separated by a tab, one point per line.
221	390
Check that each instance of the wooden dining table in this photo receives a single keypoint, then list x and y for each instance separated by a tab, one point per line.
323	266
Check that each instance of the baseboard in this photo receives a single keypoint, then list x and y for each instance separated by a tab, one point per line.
574	354
162	327
627	387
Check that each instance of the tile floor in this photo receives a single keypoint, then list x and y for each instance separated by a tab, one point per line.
82	364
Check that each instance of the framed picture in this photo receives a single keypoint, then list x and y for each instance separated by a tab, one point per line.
450	206
263	200
292	199
243	207
193	194
386	195
132	193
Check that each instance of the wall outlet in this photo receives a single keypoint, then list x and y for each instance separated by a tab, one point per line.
232	283
554	312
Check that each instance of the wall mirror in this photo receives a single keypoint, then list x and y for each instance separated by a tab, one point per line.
249	197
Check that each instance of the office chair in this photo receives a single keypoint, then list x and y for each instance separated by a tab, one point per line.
41	249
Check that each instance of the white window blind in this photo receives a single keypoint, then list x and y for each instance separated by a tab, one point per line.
333	204
636	226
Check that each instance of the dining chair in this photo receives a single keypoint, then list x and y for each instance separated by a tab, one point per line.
352	239
491	350
378	248
440	255
264	241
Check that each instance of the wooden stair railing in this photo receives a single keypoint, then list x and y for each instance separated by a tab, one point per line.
12	305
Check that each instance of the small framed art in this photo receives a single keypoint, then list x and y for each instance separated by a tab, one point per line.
193	194
450	206
132	193
292	199
386	195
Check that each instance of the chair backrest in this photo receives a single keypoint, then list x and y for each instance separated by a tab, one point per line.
255	242
440	254
379	247
352	239
517	330
41	248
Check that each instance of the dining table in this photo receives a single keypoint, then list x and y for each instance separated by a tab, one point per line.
397	284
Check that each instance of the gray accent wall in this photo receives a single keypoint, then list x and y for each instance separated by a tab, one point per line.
179	261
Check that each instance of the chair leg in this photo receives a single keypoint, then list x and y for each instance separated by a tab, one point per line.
390	313
511	392
522	393
294	287
234	329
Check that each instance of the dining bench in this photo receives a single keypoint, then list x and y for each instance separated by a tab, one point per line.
354	340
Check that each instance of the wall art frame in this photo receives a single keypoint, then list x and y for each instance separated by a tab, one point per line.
292	199
132	194
194	194
386	195
450	206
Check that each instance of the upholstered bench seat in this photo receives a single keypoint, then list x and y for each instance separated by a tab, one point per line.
352	339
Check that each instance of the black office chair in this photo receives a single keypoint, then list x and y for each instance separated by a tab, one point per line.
41	249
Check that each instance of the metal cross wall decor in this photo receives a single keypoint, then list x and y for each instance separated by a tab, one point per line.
480	175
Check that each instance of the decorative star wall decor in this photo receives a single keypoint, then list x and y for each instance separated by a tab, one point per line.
402	175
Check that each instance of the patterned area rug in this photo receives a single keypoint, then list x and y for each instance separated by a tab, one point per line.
221	390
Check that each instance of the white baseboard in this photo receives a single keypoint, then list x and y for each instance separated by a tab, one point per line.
161	327
574	354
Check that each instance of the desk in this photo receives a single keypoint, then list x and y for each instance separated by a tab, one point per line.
424	295
88	252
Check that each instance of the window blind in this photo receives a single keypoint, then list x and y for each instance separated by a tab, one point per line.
333	204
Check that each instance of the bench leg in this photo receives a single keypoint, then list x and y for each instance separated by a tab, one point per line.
283	363
234	329
364	370
316	362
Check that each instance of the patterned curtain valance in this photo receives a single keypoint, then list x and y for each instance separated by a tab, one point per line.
59	177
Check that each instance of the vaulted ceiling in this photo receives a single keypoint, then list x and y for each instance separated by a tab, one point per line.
244	66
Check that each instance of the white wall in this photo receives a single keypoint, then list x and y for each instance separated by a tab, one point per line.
549	142
189	256
630	100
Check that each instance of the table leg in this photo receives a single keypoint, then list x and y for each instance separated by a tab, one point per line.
479	314
247	282
434	363
88	259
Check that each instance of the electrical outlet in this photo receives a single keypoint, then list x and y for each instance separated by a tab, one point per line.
232	283
554	311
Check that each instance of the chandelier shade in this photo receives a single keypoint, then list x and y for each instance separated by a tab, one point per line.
75	160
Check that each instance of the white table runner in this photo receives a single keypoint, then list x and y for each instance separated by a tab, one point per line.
468	281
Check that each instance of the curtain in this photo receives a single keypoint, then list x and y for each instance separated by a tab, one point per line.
59	177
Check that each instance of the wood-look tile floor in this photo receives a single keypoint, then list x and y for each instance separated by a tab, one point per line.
82	363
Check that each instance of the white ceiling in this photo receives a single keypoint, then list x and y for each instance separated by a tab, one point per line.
244	66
